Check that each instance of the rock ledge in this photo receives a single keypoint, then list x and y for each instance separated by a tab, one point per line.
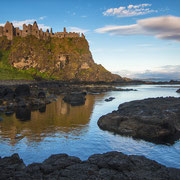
155	119
111	165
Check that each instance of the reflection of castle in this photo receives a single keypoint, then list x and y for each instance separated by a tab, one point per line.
10	31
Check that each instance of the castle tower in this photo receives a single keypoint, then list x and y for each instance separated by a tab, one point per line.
35	30
82	35
51	31
35	26
8	30
65	30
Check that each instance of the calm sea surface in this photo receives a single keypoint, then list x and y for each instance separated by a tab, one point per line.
73	130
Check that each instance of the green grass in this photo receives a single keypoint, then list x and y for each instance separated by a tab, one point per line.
9	72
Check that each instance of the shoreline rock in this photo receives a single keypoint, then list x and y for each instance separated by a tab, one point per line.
110	165
178	91
75	99
154	119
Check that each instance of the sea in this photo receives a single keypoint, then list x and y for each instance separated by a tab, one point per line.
61	128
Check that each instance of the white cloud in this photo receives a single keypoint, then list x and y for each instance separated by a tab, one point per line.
28	21
164	27
164	72
131	10
42	17
44	27
77	29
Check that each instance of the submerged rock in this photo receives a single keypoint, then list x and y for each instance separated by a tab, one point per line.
155	119
111	165
75	99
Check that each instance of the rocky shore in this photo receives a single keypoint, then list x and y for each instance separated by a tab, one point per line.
22	97
154	119
111	165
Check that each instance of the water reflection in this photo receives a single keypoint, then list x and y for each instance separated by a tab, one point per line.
57	118
23	113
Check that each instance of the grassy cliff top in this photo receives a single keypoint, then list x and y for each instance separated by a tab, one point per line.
56	58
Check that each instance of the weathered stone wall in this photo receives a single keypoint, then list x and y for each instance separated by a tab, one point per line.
10	31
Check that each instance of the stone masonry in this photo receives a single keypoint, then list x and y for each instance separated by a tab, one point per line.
10	31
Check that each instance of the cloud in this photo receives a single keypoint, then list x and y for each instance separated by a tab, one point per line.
20	23
164	72
131	10
44	27
77	29
28	21
42	17
163	27
84	16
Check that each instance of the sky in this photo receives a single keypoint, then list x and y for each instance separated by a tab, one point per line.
134	38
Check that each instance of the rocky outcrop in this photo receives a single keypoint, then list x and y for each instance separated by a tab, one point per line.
154	119
178	91
75	99
22	99
111	165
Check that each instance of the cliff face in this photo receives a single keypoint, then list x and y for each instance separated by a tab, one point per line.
57	58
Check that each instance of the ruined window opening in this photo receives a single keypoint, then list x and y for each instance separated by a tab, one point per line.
7	31
26	30
36	32
17	34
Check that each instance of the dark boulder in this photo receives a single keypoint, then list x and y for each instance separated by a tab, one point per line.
155	119
9	166
41	94
75	99
6	93
22	90
178	91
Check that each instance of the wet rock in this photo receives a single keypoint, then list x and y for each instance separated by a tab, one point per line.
109	99
6	93
22	90
155	119
178	91
75	99
111	165
9	166
42	94
9	113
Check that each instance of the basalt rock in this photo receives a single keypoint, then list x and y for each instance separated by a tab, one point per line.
111	165
155	119
22	90
75	99
178	91
6	93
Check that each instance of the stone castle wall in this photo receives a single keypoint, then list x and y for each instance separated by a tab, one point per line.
10	31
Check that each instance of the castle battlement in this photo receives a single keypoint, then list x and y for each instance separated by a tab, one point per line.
10	31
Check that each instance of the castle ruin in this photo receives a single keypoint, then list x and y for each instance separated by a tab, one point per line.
10	32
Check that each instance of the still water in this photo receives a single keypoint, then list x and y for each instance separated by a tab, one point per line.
62	128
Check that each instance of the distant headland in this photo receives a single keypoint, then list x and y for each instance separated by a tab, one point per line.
10	32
